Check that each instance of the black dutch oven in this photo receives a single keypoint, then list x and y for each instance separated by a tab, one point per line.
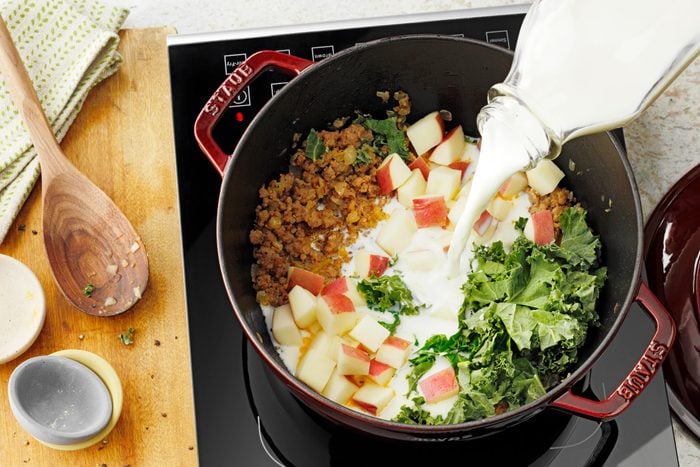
438	73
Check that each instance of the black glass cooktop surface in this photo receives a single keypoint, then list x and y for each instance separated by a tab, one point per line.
245	417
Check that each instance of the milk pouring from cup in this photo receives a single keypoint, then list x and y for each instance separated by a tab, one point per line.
580	67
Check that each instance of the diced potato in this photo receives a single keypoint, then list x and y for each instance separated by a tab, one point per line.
413	187
514	185
352	361
499	208
373	398
369	333
545	177
284	329
395	235
315	369
339	388
443	181
336	313
303	305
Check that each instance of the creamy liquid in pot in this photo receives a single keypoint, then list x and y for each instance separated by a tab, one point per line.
580	67
441	298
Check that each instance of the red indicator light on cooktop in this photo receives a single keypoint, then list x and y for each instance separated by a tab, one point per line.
239	116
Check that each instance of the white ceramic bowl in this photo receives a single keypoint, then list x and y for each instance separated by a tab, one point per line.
58	400
22	308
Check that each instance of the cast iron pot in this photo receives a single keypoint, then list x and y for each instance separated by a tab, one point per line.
438	73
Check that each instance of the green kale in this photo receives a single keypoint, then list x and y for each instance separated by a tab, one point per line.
417	415
578	244
455	348
364	155
393	324
315	148
386	132
525	314
388	294
520	224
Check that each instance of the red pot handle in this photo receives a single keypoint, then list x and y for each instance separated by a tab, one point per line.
239	78
642	373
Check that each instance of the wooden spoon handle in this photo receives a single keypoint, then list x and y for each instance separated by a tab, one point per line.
25	98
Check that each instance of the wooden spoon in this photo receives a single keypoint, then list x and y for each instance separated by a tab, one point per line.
85	235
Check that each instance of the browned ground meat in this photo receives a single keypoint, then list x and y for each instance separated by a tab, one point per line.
309	216
557	201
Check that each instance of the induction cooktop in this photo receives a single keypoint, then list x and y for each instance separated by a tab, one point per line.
244	416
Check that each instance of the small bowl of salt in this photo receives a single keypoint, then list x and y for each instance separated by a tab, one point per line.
58	400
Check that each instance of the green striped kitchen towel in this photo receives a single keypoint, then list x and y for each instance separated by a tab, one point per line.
68	46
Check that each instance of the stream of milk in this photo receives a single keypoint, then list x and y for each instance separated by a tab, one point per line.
580	67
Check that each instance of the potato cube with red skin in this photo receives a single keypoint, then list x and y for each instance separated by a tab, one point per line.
392	173
326	344
336	313
514	185
426	133
284	329
439	386
352	361
543	226
483	223
395	235
346	286
380	373
443	181
370	264
430	211
373	397
450	148
499	208
340	388
369	333
307	279
413	187
462	166
393	352
303	304
545	177
338	286
486	236
315	369
422	165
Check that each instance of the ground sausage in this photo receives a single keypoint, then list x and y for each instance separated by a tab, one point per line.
308	217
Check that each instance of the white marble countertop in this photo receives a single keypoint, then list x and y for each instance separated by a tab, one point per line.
663	144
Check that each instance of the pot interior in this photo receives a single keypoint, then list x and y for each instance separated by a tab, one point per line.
438	73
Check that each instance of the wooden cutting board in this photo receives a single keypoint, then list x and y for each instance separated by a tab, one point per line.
123	141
